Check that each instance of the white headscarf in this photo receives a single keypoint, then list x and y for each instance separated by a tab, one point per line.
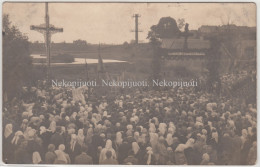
205	156
108	147
215	136
42	130
53	126
80	136
8	130
108	144
119	139
190	143
153	139
36	158
152	128
169	139
135	147
24	124
149	152
162	128
17	137
73	141
136	136
180	148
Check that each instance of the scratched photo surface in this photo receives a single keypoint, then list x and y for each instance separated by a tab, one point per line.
129	83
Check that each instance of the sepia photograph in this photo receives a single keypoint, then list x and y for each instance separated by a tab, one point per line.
129	83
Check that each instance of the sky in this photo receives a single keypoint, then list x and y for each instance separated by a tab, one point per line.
112	23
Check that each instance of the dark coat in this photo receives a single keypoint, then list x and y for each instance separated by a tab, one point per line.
50	157
131	159
83	158
21	156
8	149
109	162
57	139
75	152
123	151
193	157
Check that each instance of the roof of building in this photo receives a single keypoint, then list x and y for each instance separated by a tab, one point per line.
178	43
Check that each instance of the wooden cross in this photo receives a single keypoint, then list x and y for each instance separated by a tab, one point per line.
47	30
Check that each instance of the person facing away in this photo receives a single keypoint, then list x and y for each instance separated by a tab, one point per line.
50	156
109	159
131	160
83	158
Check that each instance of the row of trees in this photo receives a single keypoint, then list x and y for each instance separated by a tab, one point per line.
17	64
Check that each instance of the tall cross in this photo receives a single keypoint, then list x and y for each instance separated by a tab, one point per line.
47	30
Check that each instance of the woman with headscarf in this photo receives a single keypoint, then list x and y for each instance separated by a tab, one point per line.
246	145
136	136
153	140
52	127
24	124
74	148
80	137
17	139
36	158
129	131
214	140
25	134
149	158
152	128
45	135
88	138
162	151
162	128
62	157
34	143
136	150
192	156
180	156
21	155
8	147
252	154
169	140
118	141
205	159
108	146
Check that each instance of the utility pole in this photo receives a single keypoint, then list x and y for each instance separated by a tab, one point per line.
136	16
47	30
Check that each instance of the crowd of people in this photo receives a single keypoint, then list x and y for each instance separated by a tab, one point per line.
178	126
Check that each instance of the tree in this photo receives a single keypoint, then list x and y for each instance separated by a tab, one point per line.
17	63
181	23
166	28
80	42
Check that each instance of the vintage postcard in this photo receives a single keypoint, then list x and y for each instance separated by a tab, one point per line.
129	83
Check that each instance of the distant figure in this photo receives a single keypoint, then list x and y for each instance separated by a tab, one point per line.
83	158
109	160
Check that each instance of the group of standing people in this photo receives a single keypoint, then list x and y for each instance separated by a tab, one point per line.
178	126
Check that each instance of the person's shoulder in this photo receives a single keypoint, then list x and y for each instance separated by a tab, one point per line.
89	157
